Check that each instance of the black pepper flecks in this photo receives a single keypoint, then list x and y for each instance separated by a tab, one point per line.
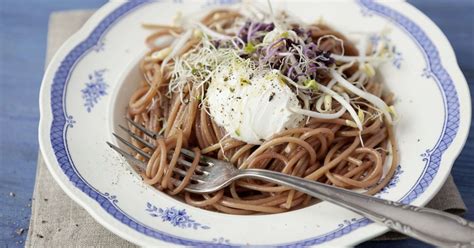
271	96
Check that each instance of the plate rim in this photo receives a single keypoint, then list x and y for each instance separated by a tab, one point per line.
96	211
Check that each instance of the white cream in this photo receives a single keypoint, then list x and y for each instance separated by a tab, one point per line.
250	105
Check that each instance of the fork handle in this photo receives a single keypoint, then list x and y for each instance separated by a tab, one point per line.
429	225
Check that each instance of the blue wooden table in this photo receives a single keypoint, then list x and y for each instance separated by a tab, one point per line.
23	30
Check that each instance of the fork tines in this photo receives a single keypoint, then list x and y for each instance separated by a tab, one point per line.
146	156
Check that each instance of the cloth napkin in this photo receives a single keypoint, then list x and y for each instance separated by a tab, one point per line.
57	221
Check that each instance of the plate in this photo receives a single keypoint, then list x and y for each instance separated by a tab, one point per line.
82	99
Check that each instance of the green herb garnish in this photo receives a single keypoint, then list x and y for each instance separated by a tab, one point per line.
312	84
249	48
244	81
285	35
281	79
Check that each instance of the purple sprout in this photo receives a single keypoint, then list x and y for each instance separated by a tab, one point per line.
317	60
254	31
277	54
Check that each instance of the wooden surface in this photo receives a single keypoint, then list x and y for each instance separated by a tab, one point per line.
23	29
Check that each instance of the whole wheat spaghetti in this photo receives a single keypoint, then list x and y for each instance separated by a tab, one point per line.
345	136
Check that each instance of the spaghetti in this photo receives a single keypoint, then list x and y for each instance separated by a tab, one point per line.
346	137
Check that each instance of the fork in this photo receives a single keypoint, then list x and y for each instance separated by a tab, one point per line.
429	225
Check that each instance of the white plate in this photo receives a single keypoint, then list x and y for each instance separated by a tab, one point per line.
78	107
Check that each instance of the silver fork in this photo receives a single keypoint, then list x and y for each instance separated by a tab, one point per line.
429	225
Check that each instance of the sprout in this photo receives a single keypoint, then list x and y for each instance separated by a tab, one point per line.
212	33
338	89
351	124
249	48
318	115
379	103
311	84
346	106
198	34
345	103
368	69
361	115
159	55
392	111
327	102
177	45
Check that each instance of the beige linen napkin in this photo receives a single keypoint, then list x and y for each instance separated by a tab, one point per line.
57	221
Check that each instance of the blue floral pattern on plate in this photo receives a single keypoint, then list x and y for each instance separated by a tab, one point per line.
94	90
397	56
111	197
177	217
220	240
426	73
347	222
100	46
70	121
394	181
